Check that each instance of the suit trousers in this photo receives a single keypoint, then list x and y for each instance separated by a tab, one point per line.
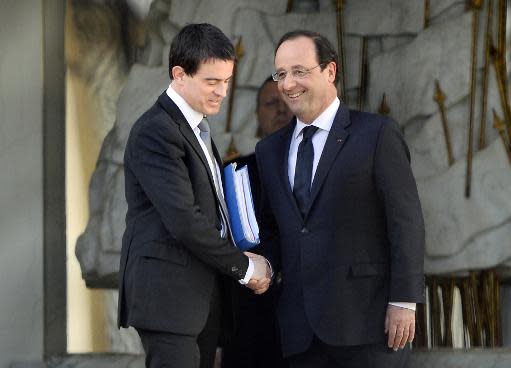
256	342
167	350
321	355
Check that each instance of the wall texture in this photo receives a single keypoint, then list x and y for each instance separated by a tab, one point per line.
405	57
404	60
21	180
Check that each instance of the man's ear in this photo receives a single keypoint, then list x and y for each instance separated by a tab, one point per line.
177	73
332	70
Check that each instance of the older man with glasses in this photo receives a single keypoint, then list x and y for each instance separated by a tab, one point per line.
341	219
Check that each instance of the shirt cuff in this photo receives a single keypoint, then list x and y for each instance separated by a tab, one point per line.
411	306
248	275
271	268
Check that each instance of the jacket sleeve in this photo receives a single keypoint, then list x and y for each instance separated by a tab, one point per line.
157	159
397	190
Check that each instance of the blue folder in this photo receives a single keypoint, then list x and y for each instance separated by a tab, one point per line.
238	196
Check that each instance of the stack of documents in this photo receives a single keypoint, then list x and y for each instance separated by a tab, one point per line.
238	197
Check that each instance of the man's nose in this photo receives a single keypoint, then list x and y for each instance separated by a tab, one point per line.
288	82
221	89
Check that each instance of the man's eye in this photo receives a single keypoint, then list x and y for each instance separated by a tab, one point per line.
299	73
271	103
281	75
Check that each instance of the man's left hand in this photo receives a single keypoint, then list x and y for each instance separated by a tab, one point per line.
400	326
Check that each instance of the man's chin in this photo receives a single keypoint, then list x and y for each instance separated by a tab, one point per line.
212	110
296	111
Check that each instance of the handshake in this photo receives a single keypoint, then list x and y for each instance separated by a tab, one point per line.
261	278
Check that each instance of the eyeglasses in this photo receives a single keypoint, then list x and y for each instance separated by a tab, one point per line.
298	73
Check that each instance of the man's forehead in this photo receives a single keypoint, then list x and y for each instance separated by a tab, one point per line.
299	45
296	66
212	61
216	68
269	87
295	55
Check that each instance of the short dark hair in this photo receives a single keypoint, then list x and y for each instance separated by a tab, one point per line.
197	43
325	53
267	80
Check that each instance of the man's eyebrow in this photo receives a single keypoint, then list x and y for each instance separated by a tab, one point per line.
216	79
299	66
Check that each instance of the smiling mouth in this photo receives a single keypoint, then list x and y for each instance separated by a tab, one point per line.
293	96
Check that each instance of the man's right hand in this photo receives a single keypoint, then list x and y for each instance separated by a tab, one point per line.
261	278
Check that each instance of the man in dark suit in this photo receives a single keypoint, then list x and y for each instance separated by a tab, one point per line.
177	257
341	219
255	343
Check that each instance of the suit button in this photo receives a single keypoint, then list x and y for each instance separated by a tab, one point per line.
305	230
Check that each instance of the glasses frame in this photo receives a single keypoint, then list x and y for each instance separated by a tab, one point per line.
307	71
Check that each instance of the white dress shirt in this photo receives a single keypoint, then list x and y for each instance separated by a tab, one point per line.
194	118
324	123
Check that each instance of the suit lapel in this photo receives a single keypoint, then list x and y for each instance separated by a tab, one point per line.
171	108
335	141
283	153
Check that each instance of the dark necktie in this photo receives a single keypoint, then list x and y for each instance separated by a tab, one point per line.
303	169
205	135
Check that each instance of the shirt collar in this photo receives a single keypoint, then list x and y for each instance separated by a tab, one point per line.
324	121
192	117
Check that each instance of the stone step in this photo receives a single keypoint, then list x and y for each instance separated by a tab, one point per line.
444	358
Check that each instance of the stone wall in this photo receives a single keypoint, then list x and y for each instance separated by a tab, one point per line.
405	59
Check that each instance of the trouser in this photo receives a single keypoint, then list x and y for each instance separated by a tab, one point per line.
321	355
168	350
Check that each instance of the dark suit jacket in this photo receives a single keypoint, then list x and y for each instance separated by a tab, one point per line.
172	251
255	341
361	242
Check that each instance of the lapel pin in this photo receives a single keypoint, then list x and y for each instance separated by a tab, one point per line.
339	140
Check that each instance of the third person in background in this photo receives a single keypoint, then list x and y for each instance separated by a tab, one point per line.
256	343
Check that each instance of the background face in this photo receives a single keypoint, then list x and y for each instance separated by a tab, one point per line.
272	111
